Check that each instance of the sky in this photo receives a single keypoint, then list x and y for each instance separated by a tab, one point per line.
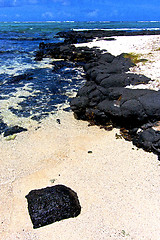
79	10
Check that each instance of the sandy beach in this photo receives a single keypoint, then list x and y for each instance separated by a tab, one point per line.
117	184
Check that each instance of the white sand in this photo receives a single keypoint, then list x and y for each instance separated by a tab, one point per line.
117	184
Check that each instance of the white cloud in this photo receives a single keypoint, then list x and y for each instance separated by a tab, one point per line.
63	2
93	13
47	15
18	15
114	13
3	15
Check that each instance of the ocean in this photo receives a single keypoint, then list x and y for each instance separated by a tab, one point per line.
43	92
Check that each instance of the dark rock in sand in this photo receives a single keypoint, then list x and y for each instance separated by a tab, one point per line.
3	126
52	204
12	130
58	121
148	139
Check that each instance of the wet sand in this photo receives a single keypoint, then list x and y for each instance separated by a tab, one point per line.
117	184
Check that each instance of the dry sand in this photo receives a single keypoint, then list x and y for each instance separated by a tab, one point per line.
117	184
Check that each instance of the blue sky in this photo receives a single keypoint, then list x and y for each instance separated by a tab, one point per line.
79	10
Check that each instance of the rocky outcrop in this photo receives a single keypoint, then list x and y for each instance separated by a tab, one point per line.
105	98
86	36
65	51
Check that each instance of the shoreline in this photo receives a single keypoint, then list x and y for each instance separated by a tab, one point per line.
110	191
117	183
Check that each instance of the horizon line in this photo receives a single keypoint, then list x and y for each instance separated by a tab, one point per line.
72	21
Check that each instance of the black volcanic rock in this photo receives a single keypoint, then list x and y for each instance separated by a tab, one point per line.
151	104
86	36
2	126
52	204
12	130
127	107
148	139
67	52
107	96
105	90
58	65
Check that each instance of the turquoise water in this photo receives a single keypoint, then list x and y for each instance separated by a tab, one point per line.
53	27
35	98
19	40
